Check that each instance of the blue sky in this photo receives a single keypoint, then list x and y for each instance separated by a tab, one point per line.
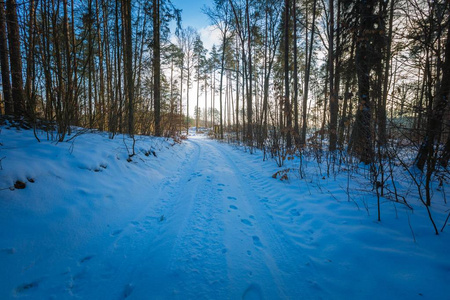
192	14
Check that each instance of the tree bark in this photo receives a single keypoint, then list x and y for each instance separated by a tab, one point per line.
30	73
15	58
295	100
286	75
128	59
334	105
157	67
361	141
382	135
307	75
4	63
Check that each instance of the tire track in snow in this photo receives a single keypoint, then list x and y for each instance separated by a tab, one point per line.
167	220
139	252
197	268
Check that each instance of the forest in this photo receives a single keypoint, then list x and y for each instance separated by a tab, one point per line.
340	81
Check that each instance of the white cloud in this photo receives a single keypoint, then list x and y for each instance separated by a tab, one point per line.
210	36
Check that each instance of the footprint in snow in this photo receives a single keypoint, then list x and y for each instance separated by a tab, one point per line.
135	223
294	212
231	198
233	207
26	287
127	290
221	184
116	232
246	222
86	258
253	292
256	241
8	250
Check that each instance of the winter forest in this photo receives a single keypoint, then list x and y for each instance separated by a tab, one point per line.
309	144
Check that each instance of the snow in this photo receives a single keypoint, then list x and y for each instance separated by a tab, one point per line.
200	220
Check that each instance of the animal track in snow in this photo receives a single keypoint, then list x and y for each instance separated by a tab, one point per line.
231	198
233	207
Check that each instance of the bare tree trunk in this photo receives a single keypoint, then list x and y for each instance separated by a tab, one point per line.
307	75
4	60
337	68
188	86
31	72
15	58
237	92
286	75
181	94
128	60
206	100
65	89
100	67
250	82
347	96
197	114
157	67
325	108
74	111
361	140
295	100
90	65
334	105
222	68
382	136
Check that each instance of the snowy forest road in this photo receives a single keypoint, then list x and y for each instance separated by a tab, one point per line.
209	233
216	237
228	245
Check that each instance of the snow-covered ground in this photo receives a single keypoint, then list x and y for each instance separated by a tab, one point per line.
199	220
